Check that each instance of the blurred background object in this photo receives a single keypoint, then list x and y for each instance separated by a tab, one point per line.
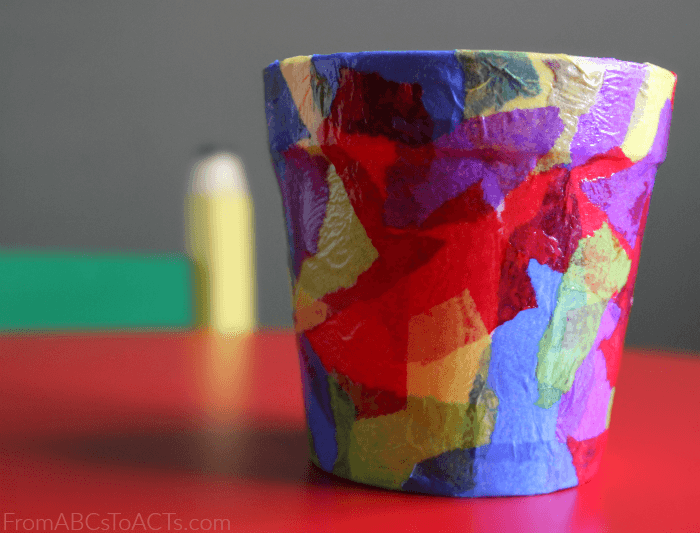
70	290
104	102
221	243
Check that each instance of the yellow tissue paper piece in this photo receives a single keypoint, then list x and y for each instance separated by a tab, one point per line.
656	89
308	313
297	73
576	85
384	450
451	378
344	249
445	346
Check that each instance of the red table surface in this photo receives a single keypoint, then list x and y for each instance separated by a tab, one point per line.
168	432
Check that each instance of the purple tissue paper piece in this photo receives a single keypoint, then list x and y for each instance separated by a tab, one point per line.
499	151
657	154
583	409
532	131
305	195
605	125
622	196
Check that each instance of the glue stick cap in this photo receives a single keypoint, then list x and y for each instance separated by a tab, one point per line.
217	171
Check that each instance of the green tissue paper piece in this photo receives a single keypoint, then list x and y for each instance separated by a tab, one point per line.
312	448
610	403
344	416
599	266
598	269
565	344
41	290
385	449
494	78
322	92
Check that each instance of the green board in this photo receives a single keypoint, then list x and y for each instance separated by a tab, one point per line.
41	290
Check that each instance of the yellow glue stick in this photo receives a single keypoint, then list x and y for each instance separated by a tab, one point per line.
220	241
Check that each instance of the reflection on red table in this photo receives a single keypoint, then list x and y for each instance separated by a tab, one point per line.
158	432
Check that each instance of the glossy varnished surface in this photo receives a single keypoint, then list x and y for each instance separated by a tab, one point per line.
136	423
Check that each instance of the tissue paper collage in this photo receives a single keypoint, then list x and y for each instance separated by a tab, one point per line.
464	230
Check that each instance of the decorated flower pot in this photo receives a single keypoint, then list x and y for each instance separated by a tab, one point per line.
464	231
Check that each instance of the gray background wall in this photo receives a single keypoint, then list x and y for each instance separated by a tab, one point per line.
103	104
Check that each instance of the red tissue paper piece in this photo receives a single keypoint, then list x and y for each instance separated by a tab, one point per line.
360	342
587	455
